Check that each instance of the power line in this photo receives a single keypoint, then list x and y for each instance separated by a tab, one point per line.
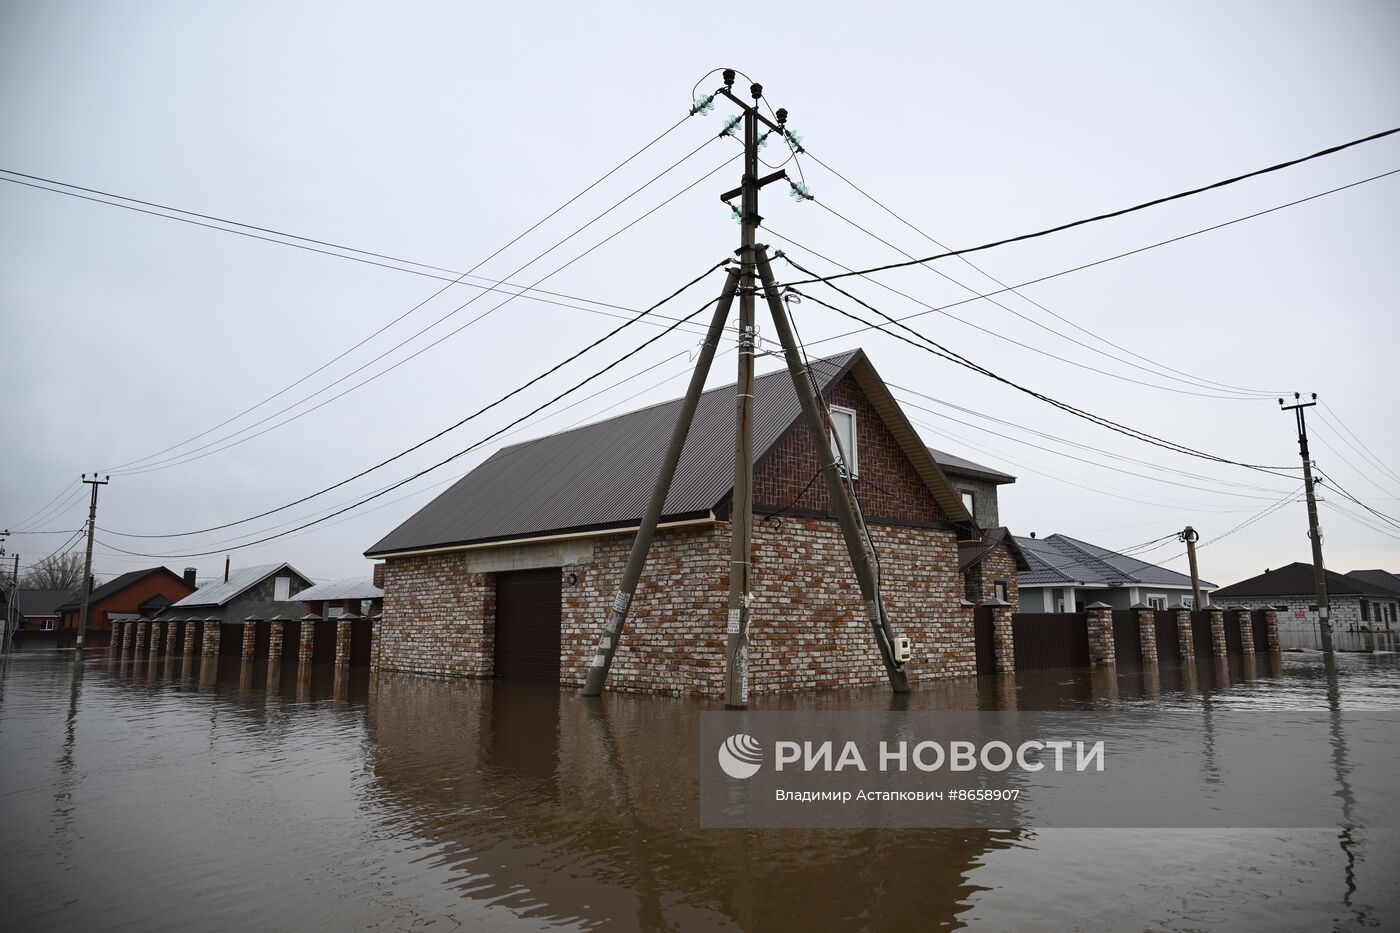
504	398
1214	393
980	270
997	334
420	304
1123	255
1377	461
1111	214
1264	513
1062	440
200	452
931	346
1388	519
440	463
1093	463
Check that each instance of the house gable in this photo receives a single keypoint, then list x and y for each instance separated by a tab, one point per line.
889	486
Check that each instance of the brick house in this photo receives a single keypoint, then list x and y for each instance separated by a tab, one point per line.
260	591
510	572
139	594
1356	600
991	566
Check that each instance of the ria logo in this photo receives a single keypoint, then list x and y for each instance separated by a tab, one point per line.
741	756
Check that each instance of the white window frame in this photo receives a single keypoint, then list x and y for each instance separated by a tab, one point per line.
969	500
838	448
1189	602
999	589
1154	598
281	589
46	625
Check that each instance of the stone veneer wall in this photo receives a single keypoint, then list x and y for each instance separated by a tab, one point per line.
438	618
809	631
981	578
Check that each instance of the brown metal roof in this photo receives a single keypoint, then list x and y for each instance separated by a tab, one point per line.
599	476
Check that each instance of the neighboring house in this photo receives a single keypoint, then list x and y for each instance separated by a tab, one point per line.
512	570
35	619
135	595
1354	600
343	597
37	610
1067	574
976	485
991	567
1381	579
253	592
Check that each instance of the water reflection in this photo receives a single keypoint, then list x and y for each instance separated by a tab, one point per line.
333	799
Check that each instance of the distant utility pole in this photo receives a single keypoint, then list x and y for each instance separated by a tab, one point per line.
10	611
753	262
87	562
1324	620
1190	537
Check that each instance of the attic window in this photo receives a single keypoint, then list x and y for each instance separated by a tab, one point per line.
969	501
843	439
281	589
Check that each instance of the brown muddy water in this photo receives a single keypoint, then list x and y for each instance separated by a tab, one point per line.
165	795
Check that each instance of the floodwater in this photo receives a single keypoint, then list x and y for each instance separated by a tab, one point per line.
170	794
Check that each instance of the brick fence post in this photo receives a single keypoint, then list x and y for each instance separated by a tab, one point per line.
342	638
1102	650
1003	637
170	632
1184	637
306	650
1245	620
117	631
143	635
276	632
1147	631
1218	646
250	636
1271	626
374	641
153	643
210	647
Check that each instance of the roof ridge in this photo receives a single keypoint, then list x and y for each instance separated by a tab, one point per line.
1077	546
844	357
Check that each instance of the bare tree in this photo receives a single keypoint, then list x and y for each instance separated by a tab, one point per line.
60	572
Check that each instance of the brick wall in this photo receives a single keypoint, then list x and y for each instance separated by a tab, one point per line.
982	577
438	619
809	628
888	486
1345	609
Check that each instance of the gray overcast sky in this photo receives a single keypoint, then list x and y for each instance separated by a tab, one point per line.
437	132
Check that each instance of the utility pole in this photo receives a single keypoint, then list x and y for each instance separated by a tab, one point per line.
1190	537
753	262
1324	620
11	611
87	563
736	652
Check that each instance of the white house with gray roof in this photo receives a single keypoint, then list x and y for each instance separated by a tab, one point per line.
261	591
1067	574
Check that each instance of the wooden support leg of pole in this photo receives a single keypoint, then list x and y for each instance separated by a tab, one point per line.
861	558
601	661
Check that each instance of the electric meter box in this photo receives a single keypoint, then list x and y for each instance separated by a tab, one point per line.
901	649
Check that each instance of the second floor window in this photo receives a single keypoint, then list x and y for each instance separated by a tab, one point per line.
843	439
969	501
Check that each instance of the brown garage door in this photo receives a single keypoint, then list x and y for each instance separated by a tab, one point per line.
527	624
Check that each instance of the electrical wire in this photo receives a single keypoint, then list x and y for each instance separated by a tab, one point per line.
998	334
199	453
1331	150
1214	393
981	271
440	463
420	304
1264	513
931	346
1388	519
1376	461
499	401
